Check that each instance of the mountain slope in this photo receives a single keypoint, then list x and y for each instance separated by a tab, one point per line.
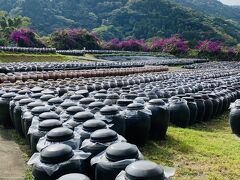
212	8
124	18
160	18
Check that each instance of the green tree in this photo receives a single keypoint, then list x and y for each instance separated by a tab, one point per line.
9	24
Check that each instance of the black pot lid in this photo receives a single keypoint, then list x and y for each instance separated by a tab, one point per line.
180	95
203	92
35	104
67	104
76	97
56	153
74	110
56	100
124	102
49	125
74	176
40	109
131	96
48	91
36	95
93	125
104	91
83	116
60	134
151	93
8	95
23	102
36	89
83	92
100	96
46	97
14	90
113	96
24	91
121	151
157	102
144	170
48	115
141	94
197	96
126	87
86	101
19	97
135	106
103	136
96	105
109	110
214	96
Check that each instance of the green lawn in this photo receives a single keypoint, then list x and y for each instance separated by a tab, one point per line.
21	57
205	151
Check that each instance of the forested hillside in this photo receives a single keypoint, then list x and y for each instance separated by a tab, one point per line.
212	8
128	18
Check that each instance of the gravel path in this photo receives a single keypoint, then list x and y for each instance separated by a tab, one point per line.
12	165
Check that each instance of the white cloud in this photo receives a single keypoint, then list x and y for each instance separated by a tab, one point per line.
231	2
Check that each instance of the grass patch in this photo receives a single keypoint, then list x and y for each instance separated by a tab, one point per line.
21	57
204	151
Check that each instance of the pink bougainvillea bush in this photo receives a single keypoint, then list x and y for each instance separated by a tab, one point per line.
209	46
210	49
217	50
174	45
74	39
25	38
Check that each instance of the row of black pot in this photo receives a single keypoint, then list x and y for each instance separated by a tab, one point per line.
42	66
27	50
100	161
81	52
99	139
51	66
47	66
57	79
63	74
69	109
83	146
137	170
224	95
154	60
215	65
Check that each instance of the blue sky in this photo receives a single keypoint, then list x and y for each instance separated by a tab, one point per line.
231	2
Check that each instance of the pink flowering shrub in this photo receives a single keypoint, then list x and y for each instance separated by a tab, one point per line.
173	45
74	39
25	38
209	46
216	50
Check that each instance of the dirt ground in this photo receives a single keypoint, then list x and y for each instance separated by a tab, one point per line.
12	164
